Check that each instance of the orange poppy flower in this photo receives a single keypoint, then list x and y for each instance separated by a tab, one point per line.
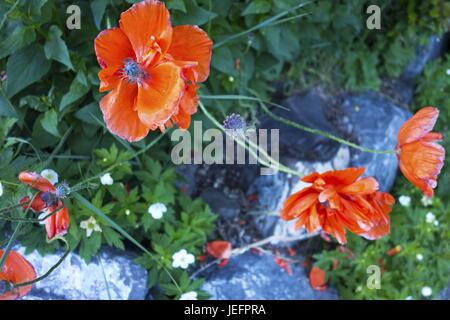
48	200
151	69
16	270
317	279
340	200
421	158
220	250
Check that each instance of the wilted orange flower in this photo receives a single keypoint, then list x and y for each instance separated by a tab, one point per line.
48	200
317	279
220	250
151	69
16	270
394	251
340	200
421	158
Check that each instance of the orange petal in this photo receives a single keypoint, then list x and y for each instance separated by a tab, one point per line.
119	112
188	106
159	95
112	48
421	162
16	270
362	186
109	78
58	223
145	20
346	176
219	249
190	43
317	279
418	126
36	181
296	205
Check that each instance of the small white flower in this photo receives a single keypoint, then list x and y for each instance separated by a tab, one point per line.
404	201
430	217
436	223
157	210
409	298
427	291
127	212
419	257
106	179
448	72
191	295
90	225
182	259
1	189
426	201
50	175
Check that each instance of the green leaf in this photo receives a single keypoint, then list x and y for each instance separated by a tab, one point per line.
223	61
98	10
195	15
19	38
50	122
257	7
6	108
56	48
25	67
76	91
176	5
89	114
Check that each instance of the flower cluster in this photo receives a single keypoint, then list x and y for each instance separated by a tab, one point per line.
152	71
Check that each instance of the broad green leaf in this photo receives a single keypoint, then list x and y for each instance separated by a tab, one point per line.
176	5
76	91
25	67
56	48
222	60
98	10
257	7
90	114
195	15
50	122
19	38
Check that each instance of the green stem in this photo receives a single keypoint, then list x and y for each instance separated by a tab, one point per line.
53	268
295	124
268	22
274	164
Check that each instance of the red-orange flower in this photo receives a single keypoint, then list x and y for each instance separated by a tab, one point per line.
16	270
340	200
152	71
220	250
421	158
48	200
317	279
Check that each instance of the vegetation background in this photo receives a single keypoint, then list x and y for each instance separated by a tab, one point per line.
49	101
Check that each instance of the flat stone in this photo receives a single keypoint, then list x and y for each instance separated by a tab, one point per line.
257	277
76	280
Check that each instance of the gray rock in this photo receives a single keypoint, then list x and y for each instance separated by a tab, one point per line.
374	121
221	204
254	277
76	280
445	294
307	109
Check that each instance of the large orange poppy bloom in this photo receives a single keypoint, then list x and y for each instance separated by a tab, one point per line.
16	270
152	71
340	200
47	201
421	158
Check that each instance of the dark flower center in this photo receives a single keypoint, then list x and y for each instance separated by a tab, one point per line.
49	198
133	71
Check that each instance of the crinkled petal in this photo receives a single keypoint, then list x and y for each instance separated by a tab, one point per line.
36	181
418	126
16	270
119	112
112	48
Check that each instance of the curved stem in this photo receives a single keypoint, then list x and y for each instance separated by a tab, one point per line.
53	268
274	164
295	124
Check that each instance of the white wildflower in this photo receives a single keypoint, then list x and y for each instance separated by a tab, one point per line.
419	257
90	225
404	200
50	175
106	179
191	295
427	291
430	217
182	259
426	201
1	189
157	210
